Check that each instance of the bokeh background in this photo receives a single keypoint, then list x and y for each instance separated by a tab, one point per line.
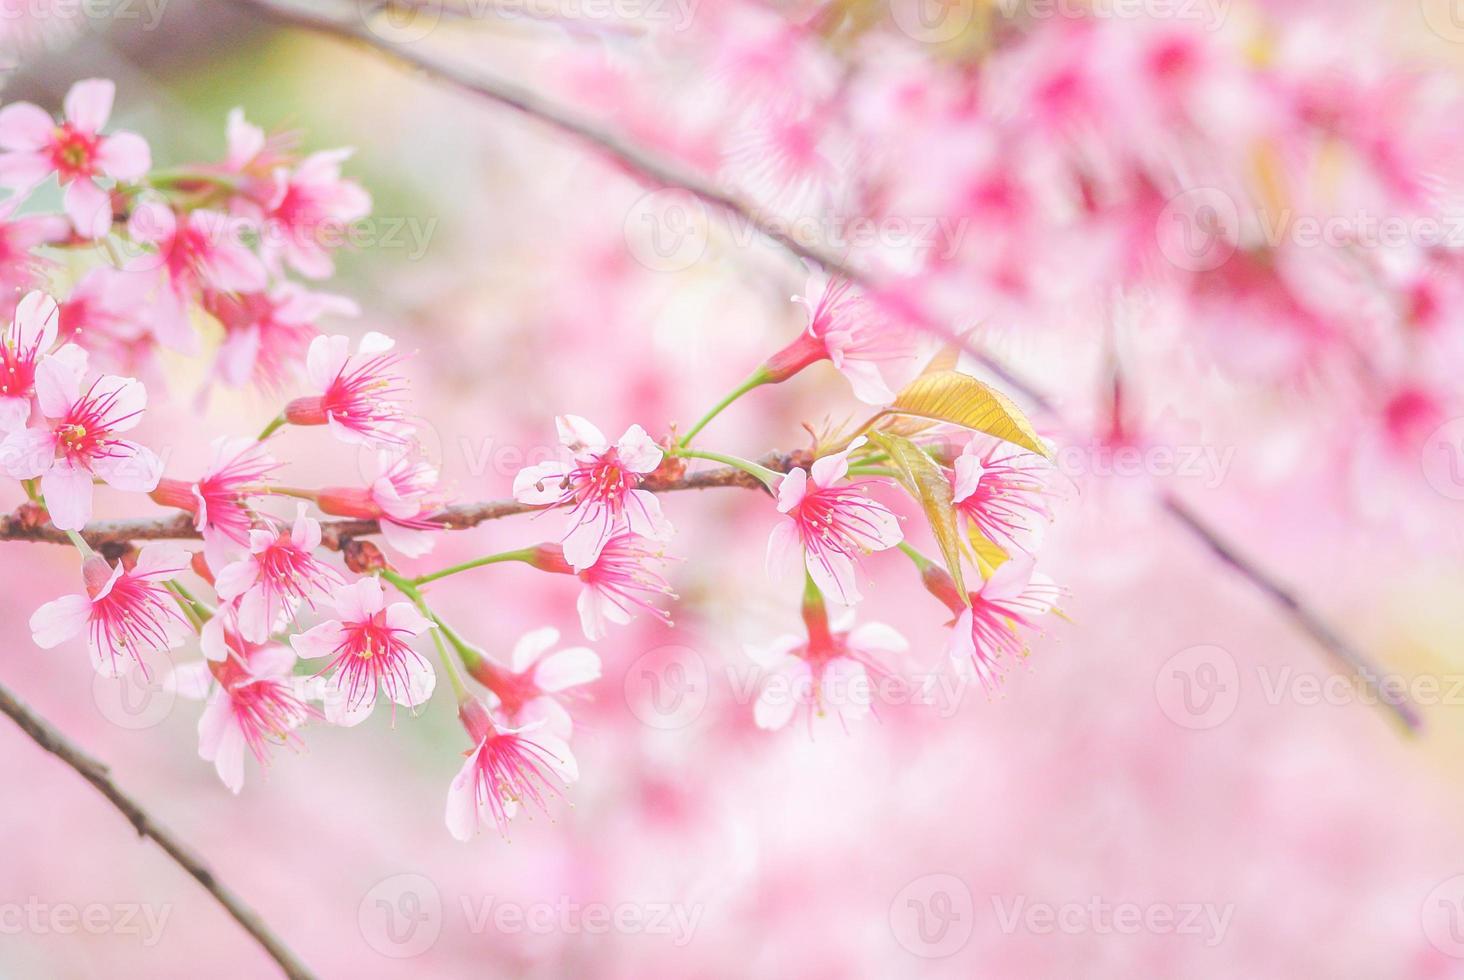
1174	746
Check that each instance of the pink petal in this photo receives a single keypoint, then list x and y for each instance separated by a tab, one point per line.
130	467
89	208
834	576
27	453
124	157
58	386
580	433
566	669
462	799
637	451
36	316
89	104
584	542
792	489
23	170
321	641
59	620
530	647
68	492
539	484
24	126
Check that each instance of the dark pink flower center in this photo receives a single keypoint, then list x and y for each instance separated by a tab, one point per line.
73	153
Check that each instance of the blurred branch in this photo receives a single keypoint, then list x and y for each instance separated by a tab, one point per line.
667	173
94	772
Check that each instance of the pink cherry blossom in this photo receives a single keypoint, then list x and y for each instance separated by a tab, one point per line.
619	584
78	440
831	523
506	767
529	690
111	314
986	636
402	495
826	670
601	485
20	267
255	701
218	500
202	250
360	394
279	573
870	346
370	649
30	335
266	334
309	210
1001	491
126	612
74	150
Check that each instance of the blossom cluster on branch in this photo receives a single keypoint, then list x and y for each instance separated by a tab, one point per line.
208	259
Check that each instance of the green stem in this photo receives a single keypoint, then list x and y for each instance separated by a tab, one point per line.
756	379
768	477
873	471
192	608
406	588
522	554
921	562
310	495
274	426
81	545
186	175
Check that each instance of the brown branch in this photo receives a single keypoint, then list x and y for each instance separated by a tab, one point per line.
94	772
666	173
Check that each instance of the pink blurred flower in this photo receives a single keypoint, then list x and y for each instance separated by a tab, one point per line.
603	484
867	344
202	251
79	441
526	691
402	495
311	206
832	525
1000	491
506	767
125	612
279	573
218	499
254	701
826	669
619	583
74	150
370	650
30	335
266	335
20	267
360	396
111	313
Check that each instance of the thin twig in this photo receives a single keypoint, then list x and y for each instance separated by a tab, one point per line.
94	772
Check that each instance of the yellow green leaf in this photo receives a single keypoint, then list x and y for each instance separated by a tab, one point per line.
989	554
925	481
950	396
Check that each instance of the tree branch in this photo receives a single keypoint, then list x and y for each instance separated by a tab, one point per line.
94	772
667	173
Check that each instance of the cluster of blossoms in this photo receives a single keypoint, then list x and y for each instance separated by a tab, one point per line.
199	257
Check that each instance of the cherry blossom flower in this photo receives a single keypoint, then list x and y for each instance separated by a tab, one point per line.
20	267
218	500
826	670
986	635
868	345
254	701
203	250
402	495
360	394
831	524
370	650
527	690
603	485
1000	491
110	312
266	334
310	207
506	767
79	440
74	150
126	612
30	335
279	573
619	583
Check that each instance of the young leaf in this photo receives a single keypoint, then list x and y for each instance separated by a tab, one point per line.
924	480
989	554
950	396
